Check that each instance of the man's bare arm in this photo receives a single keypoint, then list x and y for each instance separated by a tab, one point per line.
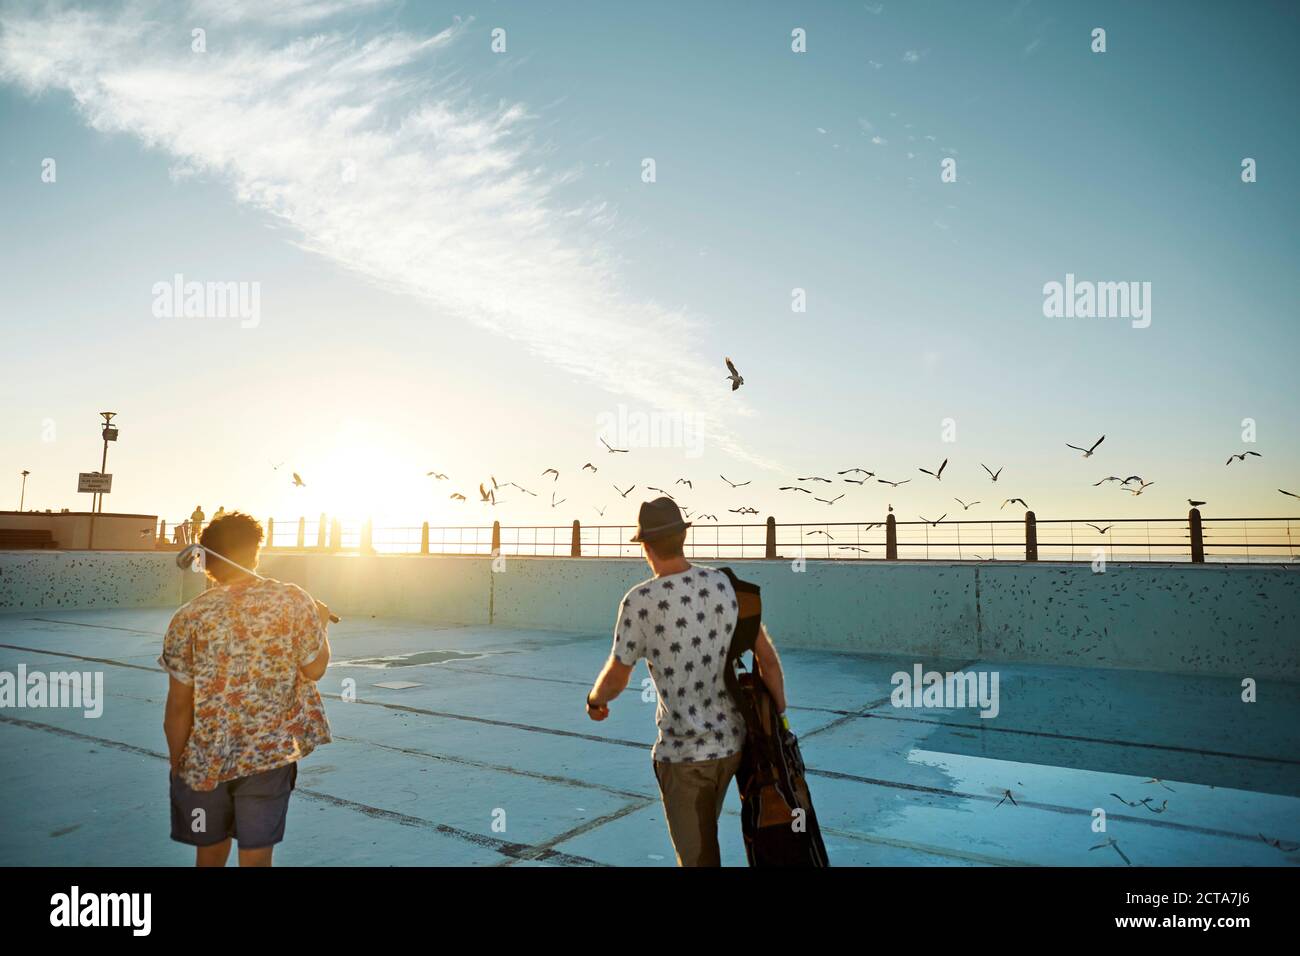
178	719
315	669
768	666
611	682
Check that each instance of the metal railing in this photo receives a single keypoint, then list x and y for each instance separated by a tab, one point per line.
1192	538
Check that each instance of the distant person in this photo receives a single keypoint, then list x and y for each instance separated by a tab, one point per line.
221	513
681	622
196	522
242	705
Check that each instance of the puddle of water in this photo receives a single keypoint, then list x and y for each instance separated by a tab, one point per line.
412	660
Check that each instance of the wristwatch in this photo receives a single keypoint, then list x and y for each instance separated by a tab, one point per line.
590	705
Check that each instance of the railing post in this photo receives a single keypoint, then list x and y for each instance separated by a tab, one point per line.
320	532
424	538
891	538
1031	537
1198	537
336	534
496	538
769	550
367	537
302	533
162	531
575	546
270	532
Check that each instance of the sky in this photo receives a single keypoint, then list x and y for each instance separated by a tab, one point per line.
461	267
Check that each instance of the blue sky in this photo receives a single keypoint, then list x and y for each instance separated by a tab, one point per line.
496	275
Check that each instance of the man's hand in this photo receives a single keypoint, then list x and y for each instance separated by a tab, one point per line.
597	713
326	615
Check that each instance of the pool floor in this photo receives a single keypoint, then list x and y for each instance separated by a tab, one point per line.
489	760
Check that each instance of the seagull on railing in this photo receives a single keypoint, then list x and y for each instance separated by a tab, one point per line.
992	474
1099	530
893	484
551	471
794	488
1242	456
735	377
964	505
831	502
623	493
611	448
1013	501
734	484
1087	452
1195	504
935	474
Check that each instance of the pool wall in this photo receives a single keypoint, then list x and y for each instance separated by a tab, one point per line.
1238	620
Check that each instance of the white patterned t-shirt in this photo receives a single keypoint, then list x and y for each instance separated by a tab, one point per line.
682	625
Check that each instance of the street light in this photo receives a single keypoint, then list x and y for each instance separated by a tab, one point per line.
23	494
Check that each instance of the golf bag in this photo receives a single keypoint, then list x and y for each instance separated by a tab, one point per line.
776	812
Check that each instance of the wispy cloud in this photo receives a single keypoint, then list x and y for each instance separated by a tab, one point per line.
375	166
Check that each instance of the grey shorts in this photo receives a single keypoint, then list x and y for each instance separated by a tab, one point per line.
250	809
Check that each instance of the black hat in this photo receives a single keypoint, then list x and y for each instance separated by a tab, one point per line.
657	519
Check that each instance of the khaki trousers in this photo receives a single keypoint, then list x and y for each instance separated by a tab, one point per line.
693	793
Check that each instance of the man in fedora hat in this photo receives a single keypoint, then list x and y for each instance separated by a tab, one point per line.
681	621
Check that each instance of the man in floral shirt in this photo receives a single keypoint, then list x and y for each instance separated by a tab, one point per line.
242	706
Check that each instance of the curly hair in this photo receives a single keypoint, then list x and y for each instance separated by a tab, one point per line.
233	531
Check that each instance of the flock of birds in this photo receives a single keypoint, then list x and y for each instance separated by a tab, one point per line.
489	490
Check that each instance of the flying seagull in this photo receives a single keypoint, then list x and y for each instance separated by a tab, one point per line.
814	478
588	465
1141	488
623	493
1291	493
893	484
1242	456
298	482
734	484
964	505
551	471
826	533
436	475
935	474
1111	478
599	511
457	496
708	517
1087	452
611	448
736	380
554	502
856	481
1137	478
1110	841
859	471
275	467
686	482
1012	501
935	523
660	490
523	489
992	474
1099	530
831	502
744	511
794	488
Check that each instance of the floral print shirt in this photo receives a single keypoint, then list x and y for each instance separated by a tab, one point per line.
240	646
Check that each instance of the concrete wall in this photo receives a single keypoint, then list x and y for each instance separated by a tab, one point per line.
39	580
1240	620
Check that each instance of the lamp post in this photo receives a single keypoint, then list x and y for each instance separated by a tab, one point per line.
22	496
109	433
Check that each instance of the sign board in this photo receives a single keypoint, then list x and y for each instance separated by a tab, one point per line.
94	483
